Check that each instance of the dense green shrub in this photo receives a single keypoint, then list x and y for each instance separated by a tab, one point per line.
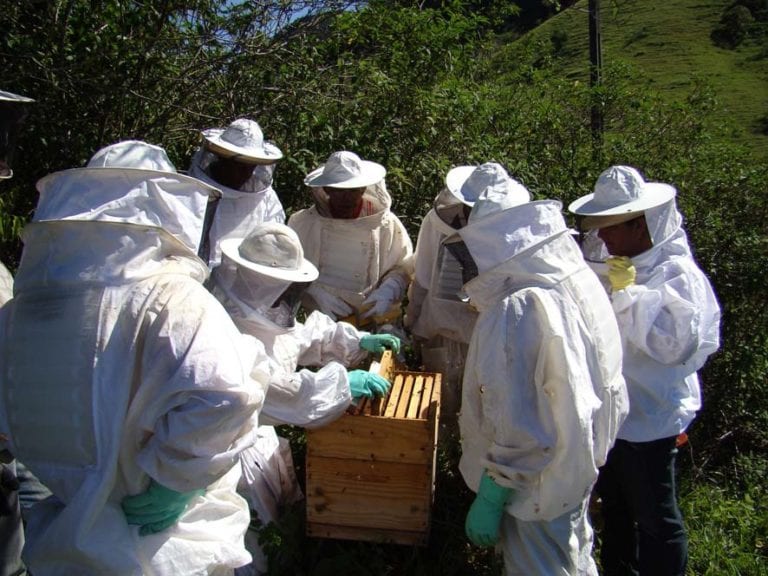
733	27
419	90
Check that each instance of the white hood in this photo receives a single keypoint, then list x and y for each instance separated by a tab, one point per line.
171	202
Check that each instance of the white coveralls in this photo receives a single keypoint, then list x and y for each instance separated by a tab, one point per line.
239	211
118	367
435	312
301	398
669	321
543	394
354	256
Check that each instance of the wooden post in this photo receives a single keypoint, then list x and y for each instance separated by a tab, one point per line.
595	69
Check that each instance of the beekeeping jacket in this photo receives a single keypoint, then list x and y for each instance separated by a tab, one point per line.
354	256
299	397
436	313
434	306
669	321
238	211
117	367
543	394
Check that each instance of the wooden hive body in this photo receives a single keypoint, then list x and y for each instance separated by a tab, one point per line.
371	473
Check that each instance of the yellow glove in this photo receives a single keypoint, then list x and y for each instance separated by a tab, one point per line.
621	272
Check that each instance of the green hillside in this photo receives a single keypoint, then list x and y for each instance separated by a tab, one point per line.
668	42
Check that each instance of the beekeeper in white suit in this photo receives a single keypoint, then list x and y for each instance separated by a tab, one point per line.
260	282
125	384
437	315
669	320
241	163
543	394
360	247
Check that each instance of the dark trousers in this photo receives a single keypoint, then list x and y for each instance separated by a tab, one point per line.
11	527
643	532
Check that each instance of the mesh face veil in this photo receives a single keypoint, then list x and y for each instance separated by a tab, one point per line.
283	311
12	115
204	252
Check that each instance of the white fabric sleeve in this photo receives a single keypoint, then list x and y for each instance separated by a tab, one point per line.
416	296
306	398
400	254
196	372
322	340
330	304
273	208
673	317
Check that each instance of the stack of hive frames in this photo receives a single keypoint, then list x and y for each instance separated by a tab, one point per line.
371	473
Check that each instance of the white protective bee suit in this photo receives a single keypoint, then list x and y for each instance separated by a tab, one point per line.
119	367
668	316
304	398
256	201
437	314
355	257
669	321
543	395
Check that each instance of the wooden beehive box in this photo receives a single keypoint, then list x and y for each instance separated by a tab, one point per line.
371	473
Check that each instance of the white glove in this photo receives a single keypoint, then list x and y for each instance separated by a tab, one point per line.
329	304
382	298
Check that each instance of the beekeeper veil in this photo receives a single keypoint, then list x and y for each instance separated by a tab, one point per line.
13	110
488	188
130	182
621	194
267	271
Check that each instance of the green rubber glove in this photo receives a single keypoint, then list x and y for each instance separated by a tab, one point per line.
380	342
621	272
156	509
368	384
484	517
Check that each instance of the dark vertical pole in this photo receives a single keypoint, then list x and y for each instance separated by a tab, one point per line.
595	66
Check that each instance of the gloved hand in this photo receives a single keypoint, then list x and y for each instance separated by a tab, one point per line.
380	342
382	298
8	485
621	272
329	304
156	509
484	517
368	384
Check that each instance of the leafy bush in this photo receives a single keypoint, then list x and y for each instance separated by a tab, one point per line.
733	27
419	90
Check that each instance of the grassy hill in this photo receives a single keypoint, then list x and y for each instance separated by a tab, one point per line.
668	42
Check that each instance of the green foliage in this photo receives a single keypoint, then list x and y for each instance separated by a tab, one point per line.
733	27
727	532
421	89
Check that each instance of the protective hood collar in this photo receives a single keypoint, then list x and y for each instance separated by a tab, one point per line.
504	235
151	194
